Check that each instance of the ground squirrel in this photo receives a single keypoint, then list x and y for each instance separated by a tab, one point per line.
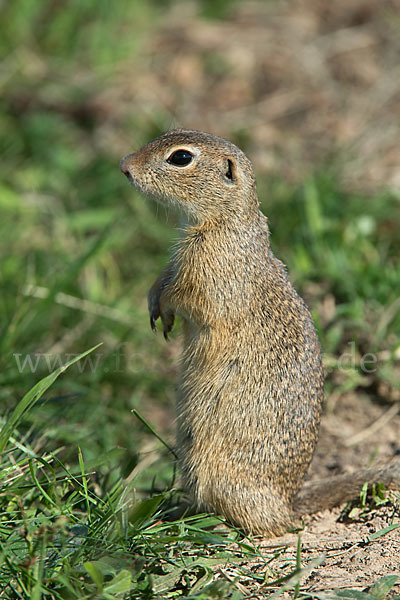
251	382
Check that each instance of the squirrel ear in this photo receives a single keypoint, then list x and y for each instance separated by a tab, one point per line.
230	172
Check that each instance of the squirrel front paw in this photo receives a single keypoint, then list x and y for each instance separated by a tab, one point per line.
167	316
159	303
154	310
167	320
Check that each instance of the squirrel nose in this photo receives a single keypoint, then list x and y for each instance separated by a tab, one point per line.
123	165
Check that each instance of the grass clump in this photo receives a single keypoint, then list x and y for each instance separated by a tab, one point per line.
68	533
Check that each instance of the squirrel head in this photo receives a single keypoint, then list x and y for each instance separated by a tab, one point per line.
205	176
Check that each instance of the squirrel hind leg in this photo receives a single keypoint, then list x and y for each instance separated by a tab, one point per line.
322	494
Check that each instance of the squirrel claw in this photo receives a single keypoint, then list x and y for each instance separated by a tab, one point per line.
153	324
168	322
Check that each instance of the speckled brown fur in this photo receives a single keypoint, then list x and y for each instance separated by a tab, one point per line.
251	384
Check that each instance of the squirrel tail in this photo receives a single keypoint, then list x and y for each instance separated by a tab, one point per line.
322	494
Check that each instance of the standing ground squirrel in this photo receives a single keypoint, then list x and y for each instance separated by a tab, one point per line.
251	383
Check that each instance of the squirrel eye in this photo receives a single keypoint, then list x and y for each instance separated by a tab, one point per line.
180	158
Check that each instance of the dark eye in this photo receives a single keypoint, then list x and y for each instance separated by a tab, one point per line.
180	158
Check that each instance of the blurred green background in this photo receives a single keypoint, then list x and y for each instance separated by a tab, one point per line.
310	92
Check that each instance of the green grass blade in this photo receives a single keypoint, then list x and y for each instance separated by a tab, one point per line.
152	430
381	588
